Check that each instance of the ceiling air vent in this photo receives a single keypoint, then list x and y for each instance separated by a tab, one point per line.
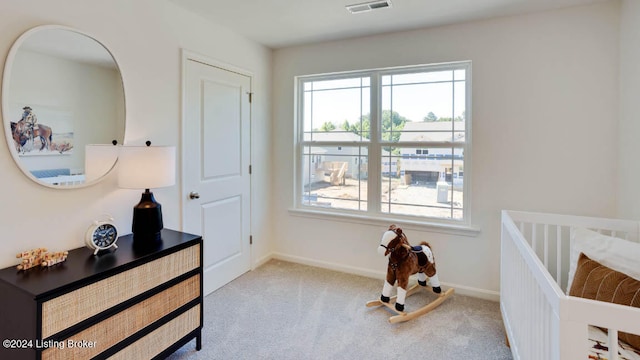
368	6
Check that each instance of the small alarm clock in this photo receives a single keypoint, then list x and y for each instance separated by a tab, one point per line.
102	235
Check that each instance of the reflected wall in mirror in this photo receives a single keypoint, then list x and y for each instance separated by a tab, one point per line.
62	93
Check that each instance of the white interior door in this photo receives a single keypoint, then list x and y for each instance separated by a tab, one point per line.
216	148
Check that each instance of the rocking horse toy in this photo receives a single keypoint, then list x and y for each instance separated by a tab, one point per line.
404	261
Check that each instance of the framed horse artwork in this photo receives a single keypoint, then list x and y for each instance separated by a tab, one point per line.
32	136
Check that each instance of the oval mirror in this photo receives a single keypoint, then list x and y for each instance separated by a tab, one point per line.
63	107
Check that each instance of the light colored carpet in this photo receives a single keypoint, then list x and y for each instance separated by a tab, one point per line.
284	310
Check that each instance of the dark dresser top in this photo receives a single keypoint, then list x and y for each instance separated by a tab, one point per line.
82	267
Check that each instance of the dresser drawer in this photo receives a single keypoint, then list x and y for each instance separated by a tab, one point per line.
107	333
71	308
154	343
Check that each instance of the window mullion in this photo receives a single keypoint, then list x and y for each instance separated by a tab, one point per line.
299	146
375	162
453	136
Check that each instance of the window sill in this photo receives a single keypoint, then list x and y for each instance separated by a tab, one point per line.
451	229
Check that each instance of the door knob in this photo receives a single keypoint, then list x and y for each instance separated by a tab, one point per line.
194	195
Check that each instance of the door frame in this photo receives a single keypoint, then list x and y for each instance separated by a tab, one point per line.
188	55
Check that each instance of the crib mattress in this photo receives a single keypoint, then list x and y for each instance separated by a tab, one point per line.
599	347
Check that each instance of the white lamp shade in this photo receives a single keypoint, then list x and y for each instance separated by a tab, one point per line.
146	167
99	160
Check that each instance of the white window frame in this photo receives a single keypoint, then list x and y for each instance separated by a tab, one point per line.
375	144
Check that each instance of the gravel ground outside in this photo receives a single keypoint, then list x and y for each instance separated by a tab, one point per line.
414	199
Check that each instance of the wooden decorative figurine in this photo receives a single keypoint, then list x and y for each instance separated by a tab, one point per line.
40	257
50	259
404	261
31	258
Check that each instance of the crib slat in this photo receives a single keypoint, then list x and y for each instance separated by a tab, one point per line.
613	344
546	246
534	238
538	303
559	255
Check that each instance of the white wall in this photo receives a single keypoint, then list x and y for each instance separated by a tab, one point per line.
545	109
145	37
629	126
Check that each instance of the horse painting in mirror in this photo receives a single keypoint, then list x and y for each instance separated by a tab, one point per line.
19	139
24	133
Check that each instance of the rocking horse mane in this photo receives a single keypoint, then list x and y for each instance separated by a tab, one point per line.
402	239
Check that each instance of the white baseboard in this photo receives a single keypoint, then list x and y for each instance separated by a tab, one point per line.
263	260
459	289
473	292
331	266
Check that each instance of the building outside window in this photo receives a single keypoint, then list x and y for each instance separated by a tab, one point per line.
386	143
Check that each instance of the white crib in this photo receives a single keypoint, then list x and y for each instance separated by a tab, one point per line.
542	322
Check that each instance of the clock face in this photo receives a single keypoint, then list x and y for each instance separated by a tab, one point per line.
104	235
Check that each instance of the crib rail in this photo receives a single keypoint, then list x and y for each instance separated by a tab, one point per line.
549	236
578	313
540	320
528	295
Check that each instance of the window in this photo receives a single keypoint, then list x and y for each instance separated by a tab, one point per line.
387	142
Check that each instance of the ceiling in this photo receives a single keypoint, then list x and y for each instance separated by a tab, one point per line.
282	23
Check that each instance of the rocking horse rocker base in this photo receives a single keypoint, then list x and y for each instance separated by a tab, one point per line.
402	316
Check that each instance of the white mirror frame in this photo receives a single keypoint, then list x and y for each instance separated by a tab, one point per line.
7	118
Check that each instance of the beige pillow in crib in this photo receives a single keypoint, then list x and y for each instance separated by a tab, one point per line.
618	254
598	282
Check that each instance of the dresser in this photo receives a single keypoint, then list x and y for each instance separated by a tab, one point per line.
120	304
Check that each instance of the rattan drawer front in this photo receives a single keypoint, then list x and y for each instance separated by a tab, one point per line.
158	340
109	332
71	308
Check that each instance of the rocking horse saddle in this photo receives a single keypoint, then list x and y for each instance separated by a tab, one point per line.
422	257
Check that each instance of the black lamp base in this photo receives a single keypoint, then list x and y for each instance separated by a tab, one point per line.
147	221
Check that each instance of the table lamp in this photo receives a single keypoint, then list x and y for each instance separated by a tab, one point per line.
146	167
